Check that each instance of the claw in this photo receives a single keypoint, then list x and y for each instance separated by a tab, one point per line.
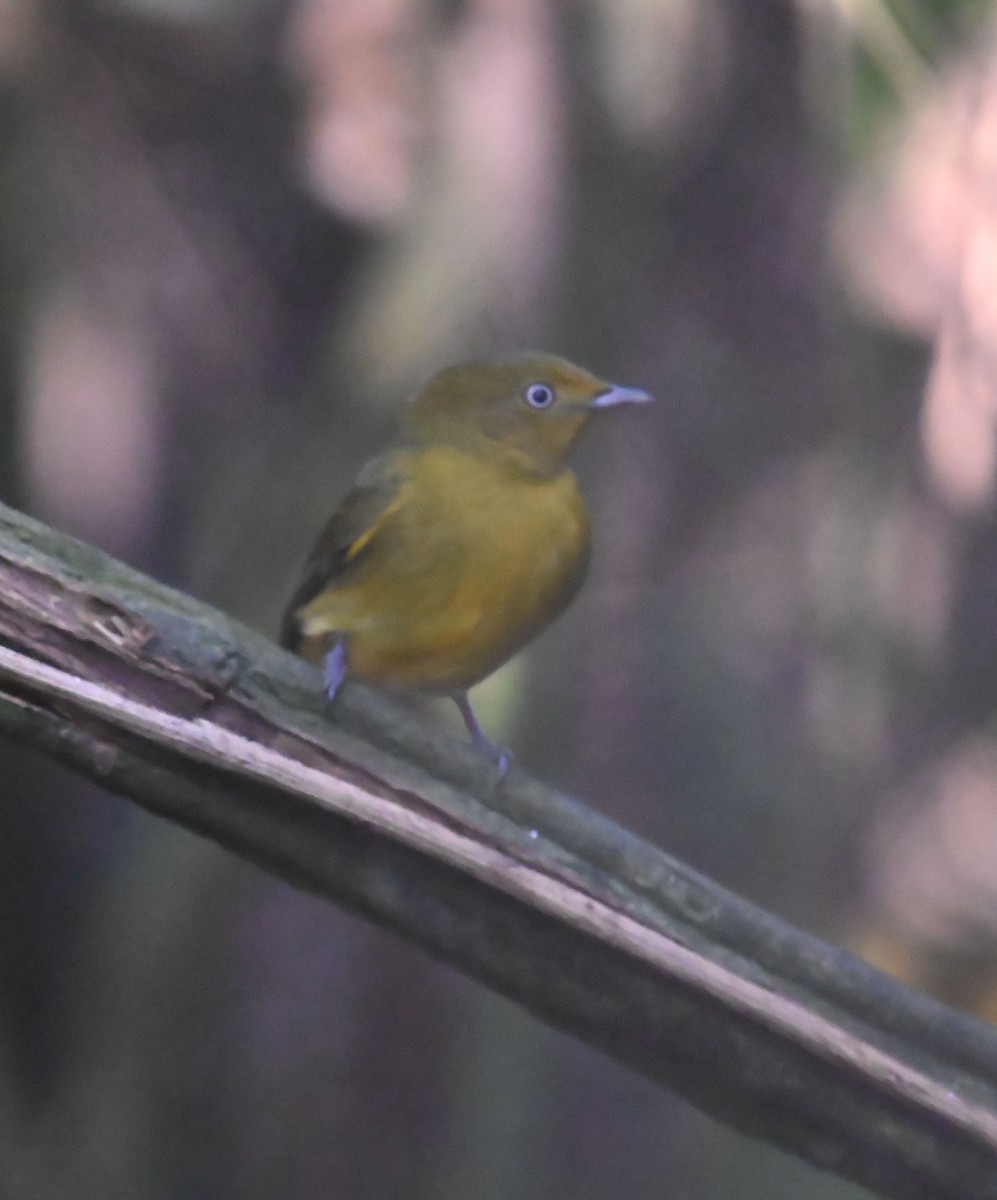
500	756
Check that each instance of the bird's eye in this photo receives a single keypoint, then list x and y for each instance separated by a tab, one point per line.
539	395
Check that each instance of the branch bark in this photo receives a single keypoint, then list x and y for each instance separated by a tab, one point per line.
168	702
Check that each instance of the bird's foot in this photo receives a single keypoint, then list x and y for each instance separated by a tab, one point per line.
498	754
334	667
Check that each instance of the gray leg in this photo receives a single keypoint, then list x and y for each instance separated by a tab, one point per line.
335	670
499	756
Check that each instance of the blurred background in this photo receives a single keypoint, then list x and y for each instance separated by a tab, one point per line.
233	235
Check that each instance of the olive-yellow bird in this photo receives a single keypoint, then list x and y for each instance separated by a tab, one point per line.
462	540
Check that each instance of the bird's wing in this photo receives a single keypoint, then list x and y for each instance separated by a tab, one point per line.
377	493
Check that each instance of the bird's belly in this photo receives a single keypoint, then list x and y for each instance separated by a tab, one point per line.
486	586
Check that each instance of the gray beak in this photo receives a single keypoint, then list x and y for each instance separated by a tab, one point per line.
614	396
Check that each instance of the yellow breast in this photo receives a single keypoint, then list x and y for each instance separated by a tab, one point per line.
476	558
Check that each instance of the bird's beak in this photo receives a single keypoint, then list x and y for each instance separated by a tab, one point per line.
614	396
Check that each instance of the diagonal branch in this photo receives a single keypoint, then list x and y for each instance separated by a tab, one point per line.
209	724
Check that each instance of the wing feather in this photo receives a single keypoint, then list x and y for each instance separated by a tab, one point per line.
377	494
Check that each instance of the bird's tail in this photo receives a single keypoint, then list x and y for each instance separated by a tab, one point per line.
290	629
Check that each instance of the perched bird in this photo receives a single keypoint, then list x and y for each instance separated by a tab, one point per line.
462	540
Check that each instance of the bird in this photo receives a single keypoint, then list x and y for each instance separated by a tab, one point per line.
461	540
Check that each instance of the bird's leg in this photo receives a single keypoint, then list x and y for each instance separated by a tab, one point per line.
334	666
499	756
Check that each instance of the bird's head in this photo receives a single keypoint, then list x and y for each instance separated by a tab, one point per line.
530	409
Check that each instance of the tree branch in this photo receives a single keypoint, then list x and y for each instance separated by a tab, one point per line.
170	703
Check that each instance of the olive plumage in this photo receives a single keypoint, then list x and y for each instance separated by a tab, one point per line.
463	539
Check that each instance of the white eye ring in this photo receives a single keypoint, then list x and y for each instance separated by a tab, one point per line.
539	395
